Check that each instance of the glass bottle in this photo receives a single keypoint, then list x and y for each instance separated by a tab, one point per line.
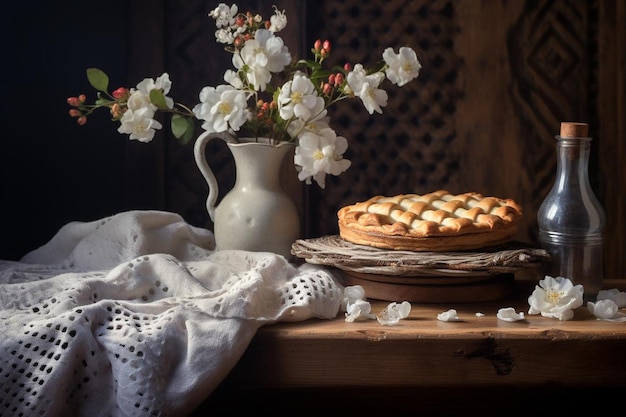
571	220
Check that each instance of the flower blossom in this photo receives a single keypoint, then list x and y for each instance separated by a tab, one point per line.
293	107
139	124
261	56
555	298
224	16
617	296
606	310
221	108
278	21
318	155
316	124
403	67
232	78
138	119
366	88
298	98
161	83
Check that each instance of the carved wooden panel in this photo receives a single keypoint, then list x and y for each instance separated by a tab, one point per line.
411	146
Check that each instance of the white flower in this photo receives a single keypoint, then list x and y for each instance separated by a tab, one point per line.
316	124
450	315
278	21
619	297
232	78
606	310
318	155
351	294
359	309
224	16
298	98
479	314
139	100
221	108
224	36
366	88
403	67
261	56
509	314
393	313
139	124
555	298
161	83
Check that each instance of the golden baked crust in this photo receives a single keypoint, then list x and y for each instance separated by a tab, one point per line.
438	221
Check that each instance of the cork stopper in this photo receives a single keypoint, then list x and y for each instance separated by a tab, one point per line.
574	130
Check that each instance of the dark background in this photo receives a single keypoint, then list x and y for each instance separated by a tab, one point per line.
53	171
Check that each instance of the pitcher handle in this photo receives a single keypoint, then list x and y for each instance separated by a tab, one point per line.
205	169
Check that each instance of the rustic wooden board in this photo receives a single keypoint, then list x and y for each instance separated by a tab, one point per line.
438	290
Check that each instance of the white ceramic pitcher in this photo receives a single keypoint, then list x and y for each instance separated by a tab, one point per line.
256	214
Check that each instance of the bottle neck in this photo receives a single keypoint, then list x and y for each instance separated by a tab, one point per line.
572	162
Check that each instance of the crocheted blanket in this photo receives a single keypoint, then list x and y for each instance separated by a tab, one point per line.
137	315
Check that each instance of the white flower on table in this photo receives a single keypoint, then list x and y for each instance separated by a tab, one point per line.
351	294
359	309
555	298
618	297
606	310
509	314
393	313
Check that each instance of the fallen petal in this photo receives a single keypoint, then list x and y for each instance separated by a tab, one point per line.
359	309
509	314
449	315
393	313
605	309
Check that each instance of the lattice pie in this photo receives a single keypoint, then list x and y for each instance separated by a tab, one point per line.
438	221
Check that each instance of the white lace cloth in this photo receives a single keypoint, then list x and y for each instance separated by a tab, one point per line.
137	315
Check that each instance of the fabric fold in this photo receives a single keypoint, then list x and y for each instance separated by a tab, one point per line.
138	314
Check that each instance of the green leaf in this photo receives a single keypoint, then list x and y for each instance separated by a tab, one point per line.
98	79
158	99
182	128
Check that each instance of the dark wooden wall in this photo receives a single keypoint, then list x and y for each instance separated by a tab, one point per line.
498	78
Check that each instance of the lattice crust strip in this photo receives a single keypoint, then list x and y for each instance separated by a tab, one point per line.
433	221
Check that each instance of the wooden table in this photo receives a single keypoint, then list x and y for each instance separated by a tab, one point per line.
423	365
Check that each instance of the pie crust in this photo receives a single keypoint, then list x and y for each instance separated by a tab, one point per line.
437	221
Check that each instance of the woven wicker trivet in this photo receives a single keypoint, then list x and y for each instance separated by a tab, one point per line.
337	252
424	277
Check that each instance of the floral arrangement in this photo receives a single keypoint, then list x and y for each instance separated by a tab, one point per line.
268	94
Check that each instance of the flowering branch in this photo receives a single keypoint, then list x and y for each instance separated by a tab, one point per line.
249	104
